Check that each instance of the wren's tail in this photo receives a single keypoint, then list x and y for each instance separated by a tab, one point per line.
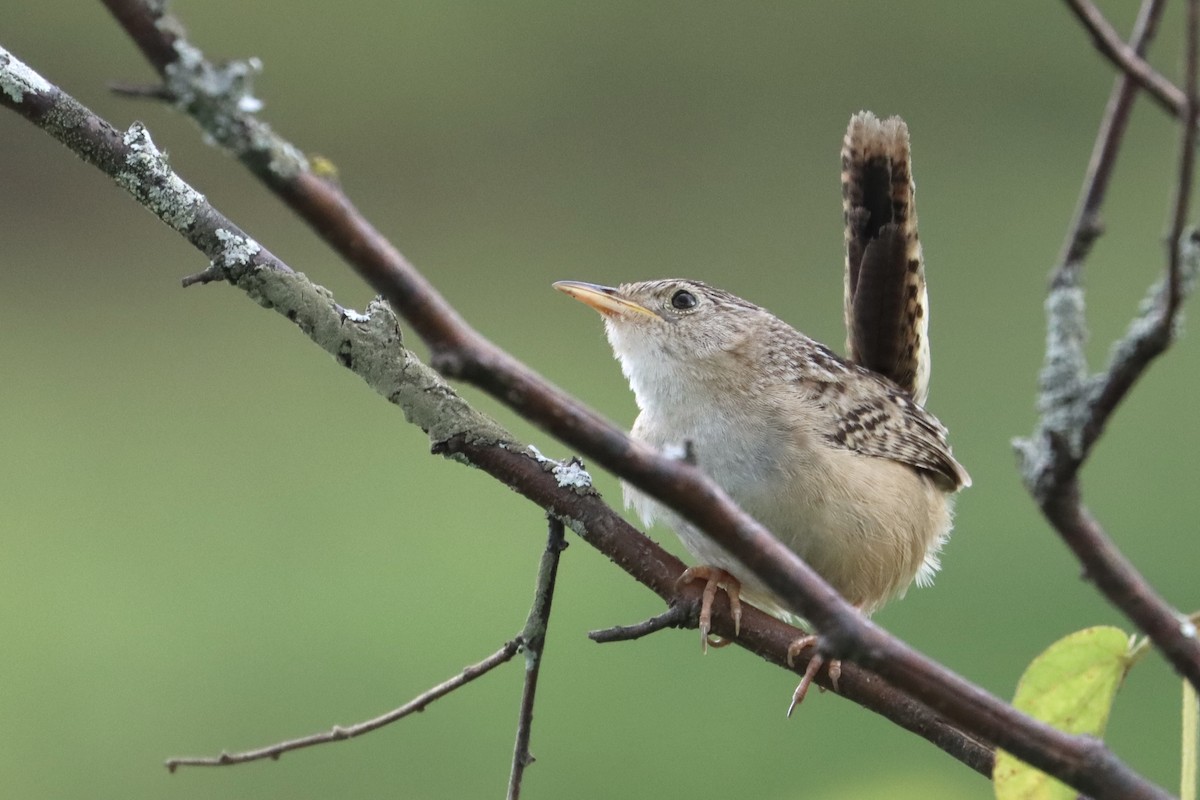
886	305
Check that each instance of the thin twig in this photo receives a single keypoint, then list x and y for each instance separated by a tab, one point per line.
676	616
534	637
1127	58
339	733
1187	167
1087	227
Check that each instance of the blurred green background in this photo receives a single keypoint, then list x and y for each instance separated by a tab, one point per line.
214	537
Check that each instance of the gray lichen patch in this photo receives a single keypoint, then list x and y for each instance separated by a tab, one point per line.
1064	374
571	474
284	159
18	80
1068	394
227	89
237	250
151	180
221	100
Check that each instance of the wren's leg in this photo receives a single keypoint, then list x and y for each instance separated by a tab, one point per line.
810	672
715	578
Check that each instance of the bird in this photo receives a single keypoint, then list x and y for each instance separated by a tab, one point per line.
836	456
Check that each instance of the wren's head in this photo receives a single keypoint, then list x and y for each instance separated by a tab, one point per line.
672	335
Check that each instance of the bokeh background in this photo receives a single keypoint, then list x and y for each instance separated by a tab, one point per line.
214	537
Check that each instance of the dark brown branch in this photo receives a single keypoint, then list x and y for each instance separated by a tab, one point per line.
534	637
1186	170
157	42
461	352
340	734
1127	58
370	345
1076	407
1104	564
1087	226
676	616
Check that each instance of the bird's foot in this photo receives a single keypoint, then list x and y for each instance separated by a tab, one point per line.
714	578
810	672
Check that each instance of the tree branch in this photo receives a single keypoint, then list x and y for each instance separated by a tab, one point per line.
1126	58
1087	225
1076	407
534	638
1175	280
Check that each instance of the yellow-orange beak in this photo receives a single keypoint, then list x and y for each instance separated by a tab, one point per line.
604	299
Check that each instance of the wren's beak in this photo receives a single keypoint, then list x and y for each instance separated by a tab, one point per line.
605	299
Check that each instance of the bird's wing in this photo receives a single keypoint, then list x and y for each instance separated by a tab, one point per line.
874	417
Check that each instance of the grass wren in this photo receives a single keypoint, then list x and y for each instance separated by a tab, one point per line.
837	457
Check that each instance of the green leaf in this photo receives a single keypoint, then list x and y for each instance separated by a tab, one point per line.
1071	686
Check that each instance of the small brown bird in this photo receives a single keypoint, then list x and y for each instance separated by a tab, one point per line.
838	459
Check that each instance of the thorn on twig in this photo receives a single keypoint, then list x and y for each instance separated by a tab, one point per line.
211	274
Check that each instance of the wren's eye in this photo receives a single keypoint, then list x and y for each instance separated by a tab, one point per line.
683	300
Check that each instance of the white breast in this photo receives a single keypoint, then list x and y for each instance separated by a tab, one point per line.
868	525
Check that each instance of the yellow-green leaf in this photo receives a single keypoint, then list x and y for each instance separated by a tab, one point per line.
1071	686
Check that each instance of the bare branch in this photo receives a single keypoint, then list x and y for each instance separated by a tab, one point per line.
1076	407
1087	227
1126	58
1186	172
339	733
534	637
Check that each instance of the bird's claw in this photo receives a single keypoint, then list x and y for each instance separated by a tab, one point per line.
715	578
810	672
